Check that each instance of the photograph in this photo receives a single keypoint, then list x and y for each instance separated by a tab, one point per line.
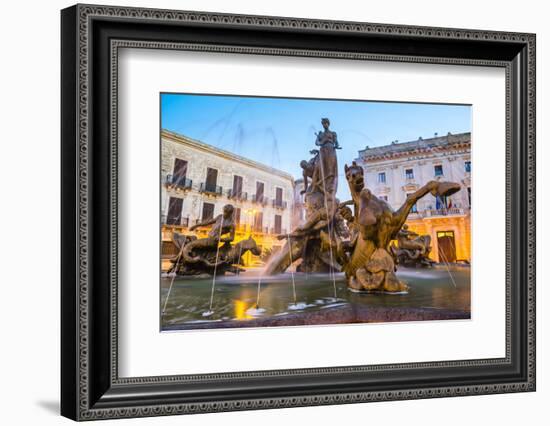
272	208
279	211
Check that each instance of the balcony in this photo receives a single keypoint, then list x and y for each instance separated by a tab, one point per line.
194	222
237	195
241	228
280	231
178	182
173	221
410	182
382	188
260	199
453	211
279	204
260	229
209	188
415	215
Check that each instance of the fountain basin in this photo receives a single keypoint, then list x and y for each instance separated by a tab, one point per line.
432	296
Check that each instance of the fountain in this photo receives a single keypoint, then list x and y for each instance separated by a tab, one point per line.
315	242
412	250
349	239
360	247
198	256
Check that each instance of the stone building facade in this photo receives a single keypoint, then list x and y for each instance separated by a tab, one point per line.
197	180
395	170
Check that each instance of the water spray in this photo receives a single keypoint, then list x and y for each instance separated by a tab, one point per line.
331	268
448	270
173	278
210	311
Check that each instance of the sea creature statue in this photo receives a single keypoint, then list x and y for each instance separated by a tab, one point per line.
412	250
205	255
371	267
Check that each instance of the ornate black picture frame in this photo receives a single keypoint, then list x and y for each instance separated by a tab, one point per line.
91	36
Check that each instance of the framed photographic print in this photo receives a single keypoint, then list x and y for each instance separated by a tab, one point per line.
264	212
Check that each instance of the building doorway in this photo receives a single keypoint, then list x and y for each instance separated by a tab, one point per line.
259	192
180	171
278	224
446	246
211	180
258	222
174	211
207	211
237	187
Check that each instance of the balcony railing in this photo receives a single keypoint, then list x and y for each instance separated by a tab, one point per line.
173	221
241	227
452	211
211	188
237	195
260	229
279	204
178	181
260	199
276	231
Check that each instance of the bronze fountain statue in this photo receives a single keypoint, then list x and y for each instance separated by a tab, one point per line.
315	242
371	266
205	255
334	238
362	251
412	250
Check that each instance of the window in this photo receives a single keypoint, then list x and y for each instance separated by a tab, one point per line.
467	166
438	170
180	171
258	221
259	191
469	197
409	174
211	179
179	174
382	177
279	196
237	186
414	209
237	216
207	211
174	211
278	222
446	246
442	202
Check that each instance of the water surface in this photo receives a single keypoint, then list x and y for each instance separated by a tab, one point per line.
235	298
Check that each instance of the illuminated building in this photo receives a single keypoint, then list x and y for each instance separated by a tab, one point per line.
197	180
395	170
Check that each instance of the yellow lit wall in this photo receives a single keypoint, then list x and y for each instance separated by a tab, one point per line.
265	241
460	225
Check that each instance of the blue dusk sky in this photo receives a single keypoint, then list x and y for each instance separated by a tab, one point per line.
280	132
